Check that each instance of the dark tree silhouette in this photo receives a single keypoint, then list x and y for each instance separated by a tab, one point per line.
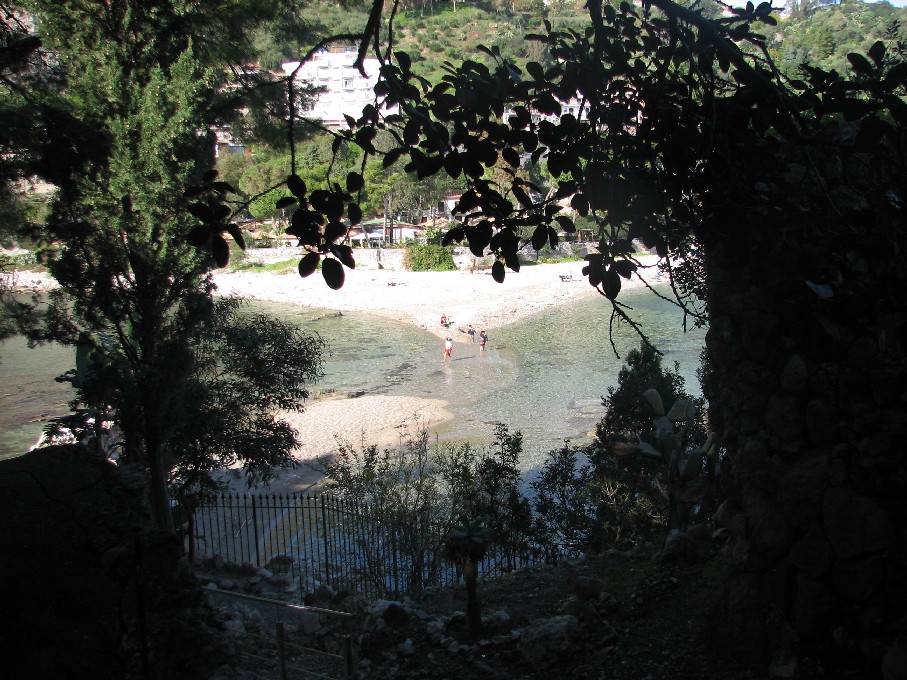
120	123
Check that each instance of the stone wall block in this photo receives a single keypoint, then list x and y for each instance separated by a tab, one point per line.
821	422
894	664
855	525
812	606
755	379
801	487
759	334
795	375
812	555
824	381
839	469
784	422
855	391
862	352
888	385
768	530
858	579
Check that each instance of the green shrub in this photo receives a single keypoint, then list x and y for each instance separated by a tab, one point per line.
281	266
487	485
415	490
565	503
428	258
592	499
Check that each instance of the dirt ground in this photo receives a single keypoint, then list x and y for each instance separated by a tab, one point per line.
650	623
654	627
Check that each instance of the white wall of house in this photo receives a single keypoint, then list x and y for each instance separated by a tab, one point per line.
346	90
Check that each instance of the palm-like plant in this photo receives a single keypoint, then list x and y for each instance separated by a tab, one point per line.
466	545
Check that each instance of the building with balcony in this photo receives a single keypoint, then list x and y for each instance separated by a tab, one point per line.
346	91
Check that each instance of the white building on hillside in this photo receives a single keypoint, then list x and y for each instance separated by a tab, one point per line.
346	91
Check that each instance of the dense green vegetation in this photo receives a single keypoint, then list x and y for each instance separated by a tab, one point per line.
592	498
433	32
586	498
824	35
428	257
180	386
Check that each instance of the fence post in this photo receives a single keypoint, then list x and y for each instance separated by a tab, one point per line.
255	531
393	532
324	528
347	657
141	609
281	651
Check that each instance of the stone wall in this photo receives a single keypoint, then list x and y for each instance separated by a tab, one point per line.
812	409
392	258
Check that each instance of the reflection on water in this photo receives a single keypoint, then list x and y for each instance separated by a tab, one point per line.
543	376
566	364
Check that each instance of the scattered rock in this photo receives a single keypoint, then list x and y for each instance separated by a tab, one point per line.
280	564
234	626
546	639
588	588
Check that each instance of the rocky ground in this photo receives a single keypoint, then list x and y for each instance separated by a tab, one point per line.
618	617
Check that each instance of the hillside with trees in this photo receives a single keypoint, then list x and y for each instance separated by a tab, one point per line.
824	34
433	33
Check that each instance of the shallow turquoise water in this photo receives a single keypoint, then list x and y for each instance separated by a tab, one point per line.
543	376
28	393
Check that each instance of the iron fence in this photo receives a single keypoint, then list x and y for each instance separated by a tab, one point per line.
325	539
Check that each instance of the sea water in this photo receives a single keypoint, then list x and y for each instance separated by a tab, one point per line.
544	375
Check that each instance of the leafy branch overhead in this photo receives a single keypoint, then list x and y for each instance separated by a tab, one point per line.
601	112
212	210
615	160
318	224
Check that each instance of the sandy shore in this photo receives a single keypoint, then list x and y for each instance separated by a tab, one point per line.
381	420
420	298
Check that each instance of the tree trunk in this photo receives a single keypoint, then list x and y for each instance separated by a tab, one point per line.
473	612
809	400
159	493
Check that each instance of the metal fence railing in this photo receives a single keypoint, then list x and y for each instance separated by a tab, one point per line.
323	539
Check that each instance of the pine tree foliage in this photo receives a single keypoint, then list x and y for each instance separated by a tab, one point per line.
137	95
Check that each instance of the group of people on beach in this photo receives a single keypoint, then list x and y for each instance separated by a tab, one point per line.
471	332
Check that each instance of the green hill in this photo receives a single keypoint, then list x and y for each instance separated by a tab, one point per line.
433	31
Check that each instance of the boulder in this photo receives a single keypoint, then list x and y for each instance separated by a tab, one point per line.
587	588
280	564
546	639
309	623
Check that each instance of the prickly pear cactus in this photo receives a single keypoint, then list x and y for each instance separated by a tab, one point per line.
689	470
